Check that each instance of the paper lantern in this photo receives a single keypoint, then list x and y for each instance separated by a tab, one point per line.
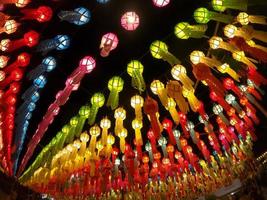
15	75
119	115
218	110
94	132
105	124
161	3
158	88
122	135
130	21
23	60
18	3
59	42
108	43
240	56
115	86
222	5
110	142
135	70
3	61
216	42
184	30
84	113
179	73
78	16
137	126
10	27
97	101
84	137
203	16
162	143
244	19
137	103
192	99
41	14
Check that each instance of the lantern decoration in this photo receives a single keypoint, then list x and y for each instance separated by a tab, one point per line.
41	14
29	39
159	50
192	99
168	126
163	142
171	107
174	90
38	83
23	60
84	139
48	64
203	16
94	132
130	21
137	126
115	86
246	32
59	42
84	113
119	115
184	30
79	16
230	85
110	142
222	5
18	3
9	27
244	19
218	110
105	124
97	101
15	75
122	135
3	61
161	3
232	101
135	70
137	102
108	43
216	42
240	56
158	88
179	73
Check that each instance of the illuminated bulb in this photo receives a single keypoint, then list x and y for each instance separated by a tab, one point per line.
130	21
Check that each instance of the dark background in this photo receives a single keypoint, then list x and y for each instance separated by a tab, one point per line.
155	24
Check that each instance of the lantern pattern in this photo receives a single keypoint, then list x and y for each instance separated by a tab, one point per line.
108	43
130	21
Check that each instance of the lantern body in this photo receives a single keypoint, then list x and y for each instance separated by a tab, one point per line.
130	21
109	42
161	3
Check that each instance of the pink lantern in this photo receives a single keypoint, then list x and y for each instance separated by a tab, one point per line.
109	42
130	21
161	3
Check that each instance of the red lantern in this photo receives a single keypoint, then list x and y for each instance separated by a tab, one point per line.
23	60
15	75
41	14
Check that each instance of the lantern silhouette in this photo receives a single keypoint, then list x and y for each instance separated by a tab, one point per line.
137	103
161	3
41	14
184	30
97	101
203	16
244	19
115	86
9	27
158	88
130	21
108	43
135	70
179	73
222	5
78	16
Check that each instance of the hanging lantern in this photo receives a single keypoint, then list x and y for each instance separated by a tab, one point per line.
115	85
216	42
137	103
78	16
23	60
97	101
162	143
41	14
130	21
122	135
109	42
168	126
158	88
3	61
15	75
159	50
244	19
179	73
9	27
105	124
171	107
203	16
135	70
222	5
84	113
38	83
192	99
161	3
110	142
137	126
184	30
94	132
119	115
240	56
18	3
84	137
218	110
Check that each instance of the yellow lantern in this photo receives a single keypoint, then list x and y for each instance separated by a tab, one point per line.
137	126
115	85
84	137
135	70
244	19
122	135
158	88
110	142
94	132
225	68
105	125
97	101
216	42
99	147
119	115
179	73
240	56
171	107
192	99
137	103
9	27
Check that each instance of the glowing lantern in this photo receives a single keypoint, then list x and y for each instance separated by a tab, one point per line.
38	83
84	137
130	21
84	113
99	147
179	73
108	43
15	75
148	148
171	107
9	27
110	142
244	19
232	101
135	70
184	30
218	110
168	126
115	85
23	60
105	124
161	3
94	132
79	16
216	42
29	39
122	135
222	5
119	115
163	142
137	126
192	99
203	16
59	42
41	14
159	50
97	101
137	103
18	3
240	56
174	90
3	61
158	88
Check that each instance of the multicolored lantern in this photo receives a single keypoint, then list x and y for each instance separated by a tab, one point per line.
135	70
108	43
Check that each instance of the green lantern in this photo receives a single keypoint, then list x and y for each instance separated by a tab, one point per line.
135	70
159	50
184	30
222	5
97	101
84	113
203	16
115	86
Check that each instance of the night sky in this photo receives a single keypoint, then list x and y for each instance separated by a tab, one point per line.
155	24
